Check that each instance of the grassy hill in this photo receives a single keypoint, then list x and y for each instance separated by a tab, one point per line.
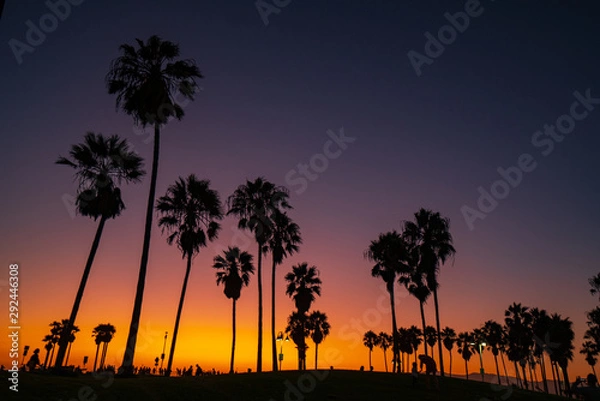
282	386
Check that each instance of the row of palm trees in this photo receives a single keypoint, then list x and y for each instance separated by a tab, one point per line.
591	345
530	338
413	259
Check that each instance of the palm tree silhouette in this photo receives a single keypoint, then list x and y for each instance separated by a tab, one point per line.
389	253
98	341
430	335
416	339
595	284
303	284
384	341
519	336
415	287
254	204
48	347
319	327
449	339
562	336
189	213
146	80
465	349
540	327
298	330
234	269
406	341
56	329
429	234
493	333
101	164
284	241
103	334
590	350
370	341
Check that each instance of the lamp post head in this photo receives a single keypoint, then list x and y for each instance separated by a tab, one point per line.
279	336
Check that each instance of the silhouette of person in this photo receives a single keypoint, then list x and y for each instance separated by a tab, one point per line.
591	379
430	369
34	360
198	370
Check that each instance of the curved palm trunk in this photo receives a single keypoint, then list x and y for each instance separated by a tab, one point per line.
260	310
178	317
543	371
64	338
504	366
439	334
316	355
423	323
497	368
273	339
394	330
232	340
68	354
46	359
450	352
127	366
96	358
385	361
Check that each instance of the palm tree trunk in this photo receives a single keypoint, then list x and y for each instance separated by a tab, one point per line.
566	379
497	368
46	359
178	317
103	357
543	370
273	339
439	334
127	365
556	388
260	309
370	351
233	340
68	354
96	358
504	366
316	354
593	370
534	379
424	326
450	353
66	333
525	377
394	328
52	354
385	361
518	376
467	368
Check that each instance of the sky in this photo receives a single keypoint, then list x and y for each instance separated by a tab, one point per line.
424	124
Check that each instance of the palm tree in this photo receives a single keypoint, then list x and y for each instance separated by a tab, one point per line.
189	213
415	287
595	284
465	349
298	330
234	270
284	241
590	350
430	236
48	347
146	80
389	253
255	203
370	341
518	321
104	333
430	335
318	327
98	341
71	341
449	339
56	328
303	283
493	333
562	335
101	165
384	341
540	327
416	338
406	341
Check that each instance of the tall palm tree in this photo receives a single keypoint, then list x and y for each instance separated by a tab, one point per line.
189	214
254	204
465	349
298	331
590	350
430	234
146	79
234	270
562	335
370	341
303	284
595	284
449	339
284	241
389	252
384	341
493	333
430	335
518	321
103	334
318	327
540	326
101	164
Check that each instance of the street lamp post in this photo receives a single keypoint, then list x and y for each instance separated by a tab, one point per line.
481	370
162	356
280	338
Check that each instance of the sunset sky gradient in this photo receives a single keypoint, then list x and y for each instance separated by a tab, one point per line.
269	97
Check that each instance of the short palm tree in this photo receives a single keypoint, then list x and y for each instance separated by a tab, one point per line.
254	204
590	350
384	341
540	327
429	234
370	341
103	334
303	284
430	335
297	328
319	327
234	270
146	80
283	242
493	334
449	339
101	164
561	334
389	252
48	347
465	349
518	321
189	214
416	338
